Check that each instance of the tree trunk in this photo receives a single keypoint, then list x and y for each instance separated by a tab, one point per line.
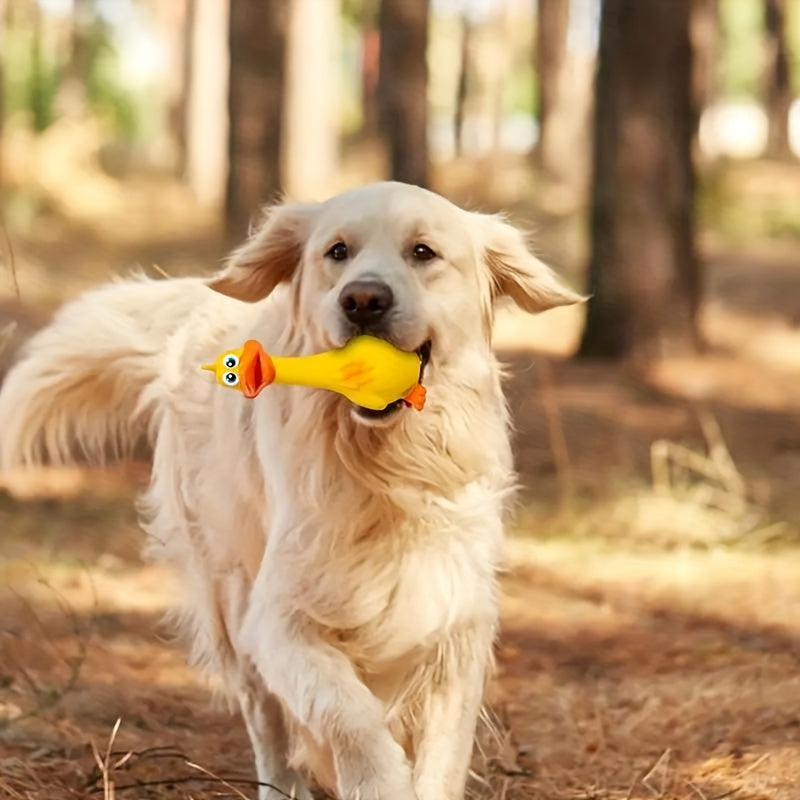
370	56
705	26
551	48
207	91
179	108
72	98
257	40
4	20
462	86
777	83
39	99
643	272
311	99
403	87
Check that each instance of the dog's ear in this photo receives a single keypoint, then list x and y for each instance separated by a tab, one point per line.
516	273
270	255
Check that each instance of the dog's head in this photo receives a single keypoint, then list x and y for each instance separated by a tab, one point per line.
397	262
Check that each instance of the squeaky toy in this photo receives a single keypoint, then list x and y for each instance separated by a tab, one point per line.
369	372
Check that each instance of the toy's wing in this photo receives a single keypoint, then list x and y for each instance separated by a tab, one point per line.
356	375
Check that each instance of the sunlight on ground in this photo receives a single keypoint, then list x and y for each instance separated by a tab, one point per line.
626	668
653	674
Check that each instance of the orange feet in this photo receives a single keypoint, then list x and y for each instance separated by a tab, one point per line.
416	397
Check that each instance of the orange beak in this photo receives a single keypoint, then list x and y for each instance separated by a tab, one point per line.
256	369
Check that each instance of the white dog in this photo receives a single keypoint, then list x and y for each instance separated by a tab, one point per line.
339	563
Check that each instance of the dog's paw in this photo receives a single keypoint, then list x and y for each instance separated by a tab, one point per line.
288	784
382	774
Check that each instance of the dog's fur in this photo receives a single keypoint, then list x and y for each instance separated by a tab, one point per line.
339	570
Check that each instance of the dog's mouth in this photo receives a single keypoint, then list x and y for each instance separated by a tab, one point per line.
424	353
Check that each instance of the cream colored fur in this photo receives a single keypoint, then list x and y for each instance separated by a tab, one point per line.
339	573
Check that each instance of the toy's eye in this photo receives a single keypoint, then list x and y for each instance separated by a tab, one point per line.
422	252
338	252
231	378
231	361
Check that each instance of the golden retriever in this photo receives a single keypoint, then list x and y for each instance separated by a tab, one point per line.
339	564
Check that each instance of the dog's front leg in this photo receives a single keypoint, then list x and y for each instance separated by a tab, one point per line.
263	717
320	689
445	730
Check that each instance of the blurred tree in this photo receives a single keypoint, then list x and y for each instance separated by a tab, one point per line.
178	20
550	52
363	15
370	58
207	86
3	26
43	77
643	271
311	102
777	84
403	87
705	38
75	74
741	40
257	34
462	85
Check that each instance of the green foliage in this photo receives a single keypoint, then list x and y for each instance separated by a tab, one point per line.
36	74
360	12
104	93
31	78
742	25
523	90
749	200
42	88
793	41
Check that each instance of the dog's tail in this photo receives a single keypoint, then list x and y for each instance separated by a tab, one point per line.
78	390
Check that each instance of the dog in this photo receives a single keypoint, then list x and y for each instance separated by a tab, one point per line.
339	564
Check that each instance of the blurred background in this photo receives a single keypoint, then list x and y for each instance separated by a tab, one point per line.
652	148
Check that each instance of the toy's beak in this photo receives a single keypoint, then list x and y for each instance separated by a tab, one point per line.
256	369
210	367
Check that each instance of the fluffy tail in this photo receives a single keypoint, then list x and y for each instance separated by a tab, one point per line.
77	390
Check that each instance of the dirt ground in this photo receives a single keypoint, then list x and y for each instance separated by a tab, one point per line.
650	645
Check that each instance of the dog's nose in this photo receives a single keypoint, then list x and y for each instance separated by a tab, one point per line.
365	301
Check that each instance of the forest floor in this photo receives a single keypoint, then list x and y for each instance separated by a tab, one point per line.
650	643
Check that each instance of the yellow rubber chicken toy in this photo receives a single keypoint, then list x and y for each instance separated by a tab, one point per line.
369	372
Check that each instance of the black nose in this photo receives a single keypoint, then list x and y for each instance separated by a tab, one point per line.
366	301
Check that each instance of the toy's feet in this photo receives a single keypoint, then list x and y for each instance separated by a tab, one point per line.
416	397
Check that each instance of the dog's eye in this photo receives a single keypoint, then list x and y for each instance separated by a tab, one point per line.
422	252
231	378
231	361
338	252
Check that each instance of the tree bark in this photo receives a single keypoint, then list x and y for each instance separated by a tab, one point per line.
403	87
207	91
3	34
705	26
462	86
644	275
179	110
551	47
257	40
370	44
311	101
777	82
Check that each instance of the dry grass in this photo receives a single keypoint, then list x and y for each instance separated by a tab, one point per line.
696	499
